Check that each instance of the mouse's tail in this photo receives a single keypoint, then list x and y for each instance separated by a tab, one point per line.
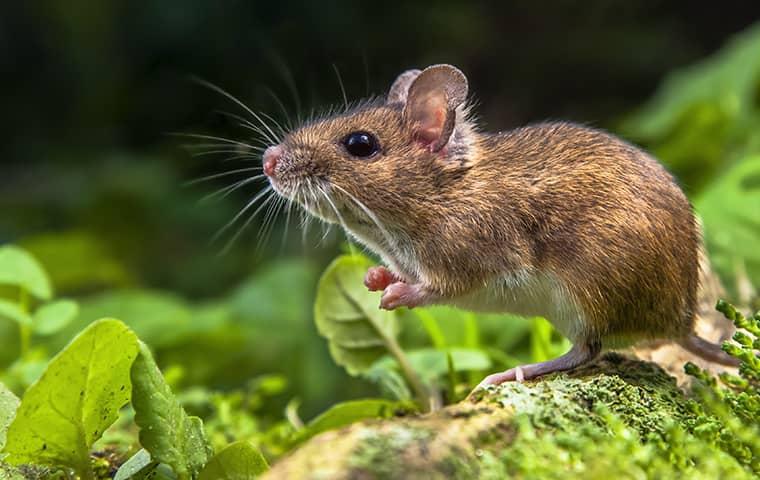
708	350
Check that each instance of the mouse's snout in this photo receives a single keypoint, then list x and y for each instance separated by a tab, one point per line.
271	157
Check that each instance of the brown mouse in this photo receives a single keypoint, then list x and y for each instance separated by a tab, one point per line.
555	219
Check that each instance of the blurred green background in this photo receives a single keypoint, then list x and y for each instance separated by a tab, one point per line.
92	184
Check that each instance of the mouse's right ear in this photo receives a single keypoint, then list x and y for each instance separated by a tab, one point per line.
431	104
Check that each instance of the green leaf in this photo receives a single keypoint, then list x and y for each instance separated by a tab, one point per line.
53	316
141	466
433	364
17	267
358	332
166	431
730	210
8	405
237	461
390	381
704	115
347	315
78	396
14	312
346	413
134	465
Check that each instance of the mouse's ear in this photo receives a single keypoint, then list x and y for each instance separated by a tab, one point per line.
431	104
400	87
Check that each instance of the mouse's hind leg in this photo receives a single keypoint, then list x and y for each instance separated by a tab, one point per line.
578	355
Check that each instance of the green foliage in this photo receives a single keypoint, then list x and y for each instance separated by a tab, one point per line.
704	117
20	269
52	317
77	261
358	334
137	463
75	400
732	408
346	413
730	209
8	406
238	461
166	431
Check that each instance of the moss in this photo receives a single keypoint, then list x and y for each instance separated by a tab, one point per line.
376	451
618	417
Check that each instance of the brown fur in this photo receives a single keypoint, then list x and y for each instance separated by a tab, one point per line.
594	211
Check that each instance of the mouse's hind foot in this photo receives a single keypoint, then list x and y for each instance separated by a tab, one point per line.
578	355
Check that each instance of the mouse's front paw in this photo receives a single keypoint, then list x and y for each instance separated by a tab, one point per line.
402	294
378	278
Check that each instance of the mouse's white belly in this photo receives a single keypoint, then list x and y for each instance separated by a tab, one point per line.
528	294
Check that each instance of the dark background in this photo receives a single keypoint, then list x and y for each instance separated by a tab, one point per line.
90	75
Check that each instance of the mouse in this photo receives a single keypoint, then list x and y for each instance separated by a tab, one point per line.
554	219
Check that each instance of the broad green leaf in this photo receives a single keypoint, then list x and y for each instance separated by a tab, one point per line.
17	267
166	431
237	461
348	316
433	364
706	114
14	312
135	464
8	405
53	316
78	396
730	210
346	413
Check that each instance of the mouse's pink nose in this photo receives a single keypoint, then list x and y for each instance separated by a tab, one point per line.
271	157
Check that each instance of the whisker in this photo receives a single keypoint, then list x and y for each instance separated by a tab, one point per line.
223	174
211	137
245	123
370	214
366	72
247	222
287	223
223	92
219	152
277	125
281	106
252	202
269	221
226	191
287	77
342	88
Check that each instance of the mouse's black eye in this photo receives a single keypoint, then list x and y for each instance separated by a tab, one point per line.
361	144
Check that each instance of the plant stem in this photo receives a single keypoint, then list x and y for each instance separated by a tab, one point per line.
424	396
25	331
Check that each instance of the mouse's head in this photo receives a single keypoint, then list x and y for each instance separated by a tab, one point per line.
383	160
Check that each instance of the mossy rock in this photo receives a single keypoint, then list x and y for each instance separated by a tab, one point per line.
617	418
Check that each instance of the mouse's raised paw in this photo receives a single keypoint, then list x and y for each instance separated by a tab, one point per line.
400	294
378	278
